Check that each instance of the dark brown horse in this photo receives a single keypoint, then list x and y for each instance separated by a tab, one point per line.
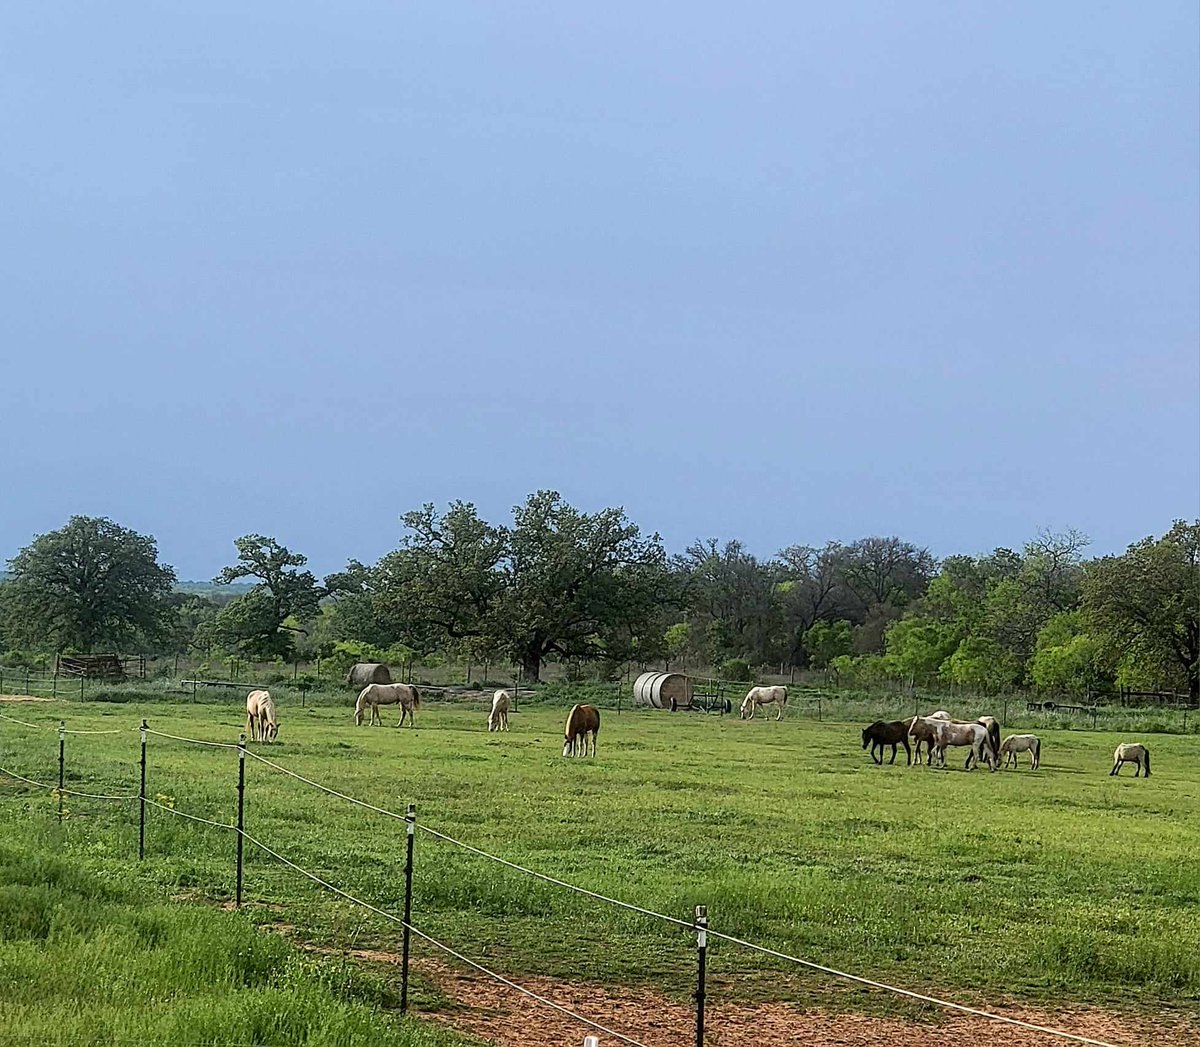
881	733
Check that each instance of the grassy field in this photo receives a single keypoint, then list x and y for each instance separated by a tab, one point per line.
1062	885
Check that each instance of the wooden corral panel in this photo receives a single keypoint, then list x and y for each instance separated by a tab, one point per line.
93	666
663	691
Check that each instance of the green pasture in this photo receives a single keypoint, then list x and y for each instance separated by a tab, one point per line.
1062	884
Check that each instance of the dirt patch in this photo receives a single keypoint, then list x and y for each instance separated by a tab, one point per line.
23	698
508	1018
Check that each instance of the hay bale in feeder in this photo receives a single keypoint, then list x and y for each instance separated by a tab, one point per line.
663	691
364	673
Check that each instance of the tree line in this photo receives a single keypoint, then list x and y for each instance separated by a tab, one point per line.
559	584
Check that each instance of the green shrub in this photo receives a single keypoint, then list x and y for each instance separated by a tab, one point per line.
736	669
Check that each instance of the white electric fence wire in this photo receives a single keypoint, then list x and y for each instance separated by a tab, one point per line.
65	791
190	817
54	726
909	993
432	941
834	972
475	850
191	741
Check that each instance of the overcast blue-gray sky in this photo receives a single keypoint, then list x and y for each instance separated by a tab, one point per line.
776	271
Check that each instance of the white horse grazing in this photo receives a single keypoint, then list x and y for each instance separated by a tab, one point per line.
941	714
1022	743
973	734
582	720
498	717
1132	752
376	694
760	696
261	722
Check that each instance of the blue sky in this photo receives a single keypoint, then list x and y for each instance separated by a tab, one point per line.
773	271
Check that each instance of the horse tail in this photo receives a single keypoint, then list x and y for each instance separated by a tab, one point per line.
1037	749
1146	772
416	697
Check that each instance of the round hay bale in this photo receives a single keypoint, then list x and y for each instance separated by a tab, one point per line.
364	673
663	691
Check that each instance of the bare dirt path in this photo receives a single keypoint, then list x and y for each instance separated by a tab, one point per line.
23	698
507	1018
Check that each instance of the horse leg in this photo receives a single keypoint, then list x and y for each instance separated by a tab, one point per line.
893	759
907	752
1116	767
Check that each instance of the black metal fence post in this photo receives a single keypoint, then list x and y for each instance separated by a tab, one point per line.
701	957
62	758
142	799
241	803
410	826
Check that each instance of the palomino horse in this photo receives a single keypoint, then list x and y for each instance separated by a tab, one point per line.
261	723
582	720
1022	743
1132	752
760	696
376	694
498	717
880	734
975	735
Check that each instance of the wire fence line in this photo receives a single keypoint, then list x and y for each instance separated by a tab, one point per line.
65	791
190	817
908	992
475	850
54	727
191	741
691	925
440	945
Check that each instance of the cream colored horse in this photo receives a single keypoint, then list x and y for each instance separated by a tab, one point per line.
760	696
1022	743
1132	752
376	694
498	717
974	735
262	725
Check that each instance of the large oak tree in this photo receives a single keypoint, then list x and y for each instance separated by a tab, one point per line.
91	584
558	582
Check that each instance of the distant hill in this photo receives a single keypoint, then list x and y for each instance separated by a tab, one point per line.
212	589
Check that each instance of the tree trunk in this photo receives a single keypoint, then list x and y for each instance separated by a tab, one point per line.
531	664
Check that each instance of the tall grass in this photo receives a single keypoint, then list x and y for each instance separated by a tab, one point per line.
1060	883
83	961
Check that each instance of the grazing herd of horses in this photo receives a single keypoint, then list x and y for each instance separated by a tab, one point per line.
936	732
